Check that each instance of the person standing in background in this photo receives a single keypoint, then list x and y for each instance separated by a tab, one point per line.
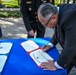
28	9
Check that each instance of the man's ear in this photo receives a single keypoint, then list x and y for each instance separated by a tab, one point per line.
54	17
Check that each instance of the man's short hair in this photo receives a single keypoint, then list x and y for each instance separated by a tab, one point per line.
47	10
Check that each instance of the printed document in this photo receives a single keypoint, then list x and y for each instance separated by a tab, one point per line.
35	52
5	48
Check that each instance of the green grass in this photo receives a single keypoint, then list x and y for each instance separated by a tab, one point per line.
10	3
6	14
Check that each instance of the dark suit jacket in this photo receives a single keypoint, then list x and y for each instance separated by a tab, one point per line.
29	11
65	34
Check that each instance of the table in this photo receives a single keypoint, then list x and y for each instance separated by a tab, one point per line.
20	63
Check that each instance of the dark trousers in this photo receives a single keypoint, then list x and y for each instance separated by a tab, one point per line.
39	29
72	64
0	32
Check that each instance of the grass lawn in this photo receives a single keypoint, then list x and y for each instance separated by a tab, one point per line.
14	3
6	14
10	3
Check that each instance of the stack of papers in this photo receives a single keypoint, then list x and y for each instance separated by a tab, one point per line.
35	52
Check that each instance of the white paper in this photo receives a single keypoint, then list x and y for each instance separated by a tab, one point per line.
29	45
39	56
2	61
5	47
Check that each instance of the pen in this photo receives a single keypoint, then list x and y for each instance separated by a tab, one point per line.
43	48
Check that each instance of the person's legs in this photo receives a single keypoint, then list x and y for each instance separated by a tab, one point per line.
40	30
68	1
74	1
0	32
71	65
69	68
40	33
29	36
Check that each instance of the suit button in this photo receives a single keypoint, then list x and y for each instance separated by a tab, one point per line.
30	9
28	2
35	13
36	17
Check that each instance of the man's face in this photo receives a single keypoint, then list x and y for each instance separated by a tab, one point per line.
50	23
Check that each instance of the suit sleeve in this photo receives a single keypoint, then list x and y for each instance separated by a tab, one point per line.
24	11
68	53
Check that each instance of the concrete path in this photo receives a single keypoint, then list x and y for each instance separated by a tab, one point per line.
14	28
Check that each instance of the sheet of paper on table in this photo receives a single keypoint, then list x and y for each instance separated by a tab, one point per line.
2	61
35	52
5	48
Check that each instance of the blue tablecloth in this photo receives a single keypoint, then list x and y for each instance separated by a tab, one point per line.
20	63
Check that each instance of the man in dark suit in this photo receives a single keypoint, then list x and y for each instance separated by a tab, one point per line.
29	12
63	19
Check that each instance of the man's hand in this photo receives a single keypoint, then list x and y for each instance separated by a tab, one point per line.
46	47
31	32
48	65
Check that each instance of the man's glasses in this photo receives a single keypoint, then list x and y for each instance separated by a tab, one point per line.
48	21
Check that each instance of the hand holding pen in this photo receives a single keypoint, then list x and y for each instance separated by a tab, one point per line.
46	47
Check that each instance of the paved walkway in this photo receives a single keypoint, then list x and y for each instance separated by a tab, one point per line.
9	9
14	28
